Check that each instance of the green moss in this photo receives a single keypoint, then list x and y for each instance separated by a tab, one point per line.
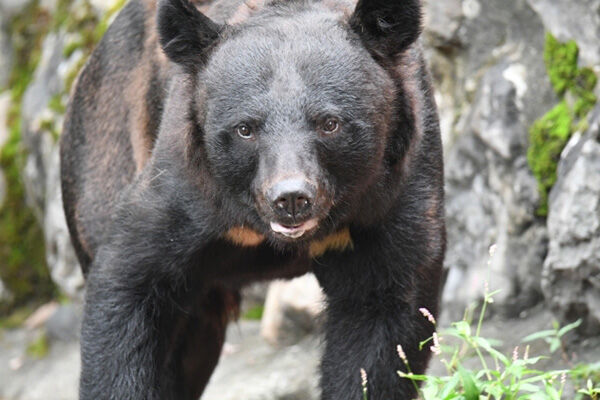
255	313
549	135
39	347
561	63
584	86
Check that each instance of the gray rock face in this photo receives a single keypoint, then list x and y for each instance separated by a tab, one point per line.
292	310
46	83
571	279
492	84
4	106
251	369
8	8
42	170
6	54
573	19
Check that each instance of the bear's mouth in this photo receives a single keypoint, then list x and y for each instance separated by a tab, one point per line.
294	231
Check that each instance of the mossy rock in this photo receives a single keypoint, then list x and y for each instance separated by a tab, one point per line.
23	267
549	135
22	255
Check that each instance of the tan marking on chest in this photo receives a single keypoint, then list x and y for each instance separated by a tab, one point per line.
338	241
245	237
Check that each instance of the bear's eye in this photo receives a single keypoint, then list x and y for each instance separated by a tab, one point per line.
244	131
330	126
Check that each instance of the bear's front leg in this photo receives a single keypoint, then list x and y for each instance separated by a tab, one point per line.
374	293
134	290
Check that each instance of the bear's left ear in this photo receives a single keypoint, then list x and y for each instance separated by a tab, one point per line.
387	27
185	34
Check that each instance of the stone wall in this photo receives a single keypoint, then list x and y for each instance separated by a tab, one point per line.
492	85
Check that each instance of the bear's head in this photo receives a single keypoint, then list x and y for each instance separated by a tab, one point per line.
295	106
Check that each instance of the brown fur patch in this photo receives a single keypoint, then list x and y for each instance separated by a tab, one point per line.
338	241
408	73
244	236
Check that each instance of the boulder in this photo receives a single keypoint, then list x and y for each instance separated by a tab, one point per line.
42	169
571	276
291	310
577	20
6	54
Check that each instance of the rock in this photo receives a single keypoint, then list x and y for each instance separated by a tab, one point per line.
255	370
40	144
442	20
5	294
60	255
251	369
65	323
291	310
577	20
53	377
571	277
4	107
42	169
102	6
9	8
6	55
492	86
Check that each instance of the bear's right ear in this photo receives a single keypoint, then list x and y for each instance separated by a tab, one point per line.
387	27
185	34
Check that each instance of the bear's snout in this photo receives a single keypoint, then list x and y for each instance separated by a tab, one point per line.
292	200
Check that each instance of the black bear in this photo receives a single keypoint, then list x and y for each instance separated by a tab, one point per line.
211	144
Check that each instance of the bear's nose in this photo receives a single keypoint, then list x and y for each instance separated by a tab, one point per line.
292	198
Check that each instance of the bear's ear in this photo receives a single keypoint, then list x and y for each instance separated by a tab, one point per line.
387	27
185	34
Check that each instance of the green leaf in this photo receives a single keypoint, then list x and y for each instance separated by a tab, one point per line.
485	344
471	390
568	328
463	328
530	388
448	388
538	335
554	345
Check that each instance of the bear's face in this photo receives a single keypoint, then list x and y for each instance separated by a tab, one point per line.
294	117
295	106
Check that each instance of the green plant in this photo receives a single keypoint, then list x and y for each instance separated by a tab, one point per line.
554	337
500	376
591	390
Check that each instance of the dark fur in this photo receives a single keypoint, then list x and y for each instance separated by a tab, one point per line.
154	177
